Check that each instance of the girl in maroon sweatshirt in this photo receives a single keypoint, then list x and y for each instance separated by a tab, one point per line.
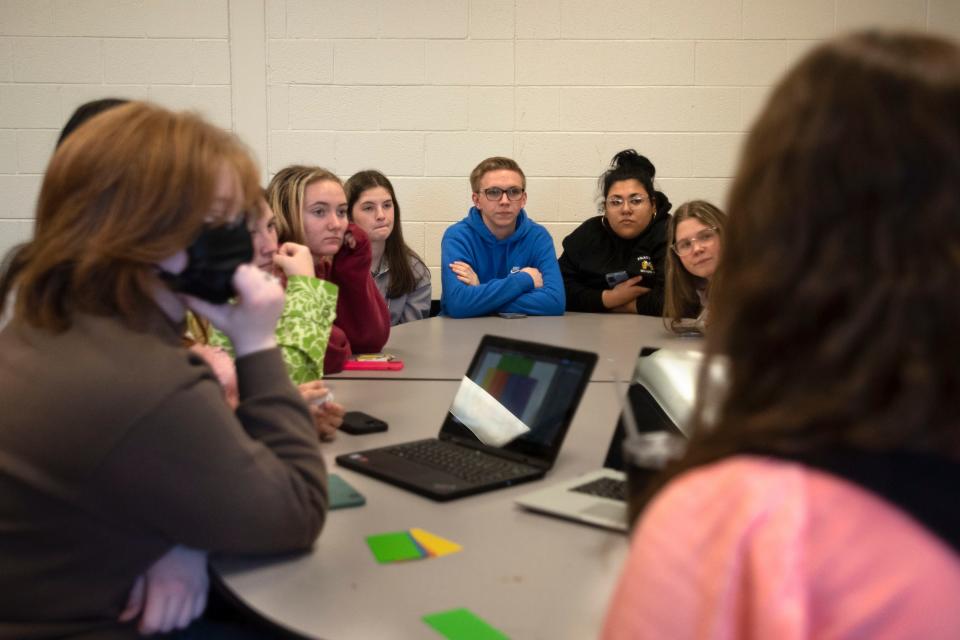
311	209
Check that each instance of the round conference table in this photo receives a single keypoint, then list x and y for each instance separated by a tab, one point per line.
529	575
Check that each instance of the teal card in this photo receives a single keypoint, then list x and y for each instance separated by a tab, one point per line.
342	495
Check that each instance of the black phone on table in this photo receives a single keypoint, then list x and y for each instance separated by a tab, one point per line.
358	423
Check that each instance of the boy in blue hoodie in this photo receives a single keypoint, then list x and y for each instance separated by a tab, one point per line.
498	260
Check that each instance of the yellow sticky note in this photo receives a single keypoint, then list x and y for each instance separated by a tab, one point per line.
433	544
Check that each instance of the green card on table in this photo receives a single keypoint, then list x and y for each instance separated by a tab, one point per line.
462	624
394	547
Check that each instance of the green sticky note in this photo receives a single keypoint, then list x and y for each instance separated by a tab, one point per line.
462	624
394	547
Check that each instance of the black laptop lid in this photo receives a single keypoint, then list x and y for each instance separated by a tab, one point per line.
539	384
647	412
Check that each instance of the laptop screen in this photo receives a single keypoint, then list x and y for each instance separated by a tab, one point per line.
660	376
528	390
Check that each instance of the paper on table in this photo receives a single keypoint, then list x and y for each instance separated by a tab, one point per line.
485	416
394	547
463	624
433	544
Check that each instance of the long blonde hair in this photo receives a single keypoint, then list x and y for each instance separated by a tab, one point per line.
682	299
285	195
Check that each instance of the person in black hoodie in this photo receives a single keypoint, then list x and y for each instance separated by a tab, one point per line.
616	261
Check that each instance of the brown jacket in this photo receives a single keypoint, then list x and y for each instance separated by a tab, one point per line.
116	445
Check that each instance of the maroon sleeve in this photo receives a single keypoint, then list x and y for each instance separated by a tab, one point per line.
361	311
338	350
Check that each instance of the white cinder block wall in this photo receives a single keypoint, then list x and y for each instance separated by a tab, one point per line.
424	89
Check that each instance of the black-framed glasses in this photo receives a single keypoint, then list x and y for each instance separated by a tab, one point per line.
704	236
495	193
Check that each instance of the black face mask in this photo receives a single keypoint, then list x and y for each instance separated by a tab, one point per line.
212	260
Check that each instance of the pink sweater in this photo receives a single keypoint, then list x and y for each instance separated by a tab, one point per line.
758	548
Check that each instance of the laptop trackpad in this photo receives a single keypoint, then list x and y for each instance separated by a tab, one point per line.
606	512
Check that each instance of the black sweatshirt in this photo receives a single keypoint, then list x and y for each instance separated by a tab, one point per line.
593	250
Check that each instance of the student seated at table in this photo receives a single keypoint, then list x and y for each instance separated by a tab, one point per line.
116	447
614	262
311	210
304	326
695	234
400	275
497	259
819	500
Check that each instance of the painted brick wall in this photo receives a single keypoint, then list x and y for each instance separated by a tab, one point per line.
58	54
424	89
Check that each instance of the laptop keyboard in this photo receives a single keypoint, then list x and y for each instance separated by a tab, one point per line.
605	488
464	463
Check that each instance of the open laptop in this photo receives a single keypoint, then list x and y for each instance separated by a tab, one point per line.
660	397
534	387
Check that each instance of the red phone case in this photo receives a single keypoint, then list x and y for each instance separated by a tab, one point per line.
373	365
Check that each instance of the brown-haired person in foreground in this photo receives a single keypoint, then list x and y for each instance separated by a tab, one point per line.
115	442
10	263
820	501
695	235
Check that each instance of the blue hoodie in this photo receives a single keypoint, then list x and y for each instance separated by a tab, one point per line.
502	288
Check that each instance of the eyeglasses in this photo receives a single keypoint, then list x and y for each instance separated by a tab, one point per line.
685	246
618	203
495	193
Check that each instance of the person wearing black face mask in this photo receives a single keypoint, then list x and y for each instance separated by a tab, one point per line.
212	260
135	412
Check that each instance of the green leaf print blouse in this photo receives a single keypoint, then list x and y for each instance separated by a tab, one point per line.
304	327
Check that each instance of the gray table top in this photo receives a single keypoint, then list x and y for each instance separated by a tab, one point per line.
441	348
529	575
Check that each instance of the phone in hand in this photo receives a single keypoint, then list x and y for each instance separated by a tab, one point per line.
358	423
615	278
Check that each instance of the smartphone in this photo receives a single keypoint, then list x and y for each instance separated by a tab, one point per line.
358	423
511	315
373	362
615	278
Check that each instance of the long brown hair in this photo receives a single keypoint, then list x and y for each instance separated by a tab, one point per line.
285	195
127	189
681	298
395	250
837	308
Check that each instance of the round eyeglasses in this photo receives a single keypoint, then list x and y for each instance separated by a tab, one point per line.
703	237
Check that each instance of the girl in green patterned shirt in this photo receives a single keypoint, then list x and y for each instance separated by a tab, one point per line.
308	313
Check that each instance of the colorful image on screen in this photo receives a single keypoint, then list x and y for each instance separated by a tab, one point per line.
517	382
